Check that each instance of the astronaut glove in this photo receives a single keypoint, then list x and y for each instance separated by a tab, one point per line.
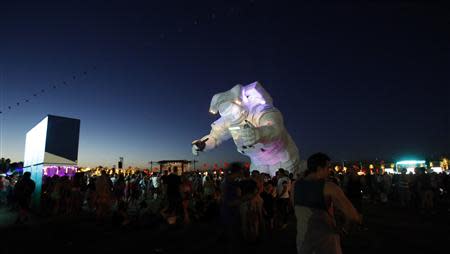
198	146
250	136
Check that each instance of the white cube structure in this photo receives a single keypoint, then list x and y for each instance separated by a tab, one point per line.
51	148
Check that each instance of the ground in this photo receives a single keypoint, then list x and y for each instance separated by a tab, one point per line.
389	229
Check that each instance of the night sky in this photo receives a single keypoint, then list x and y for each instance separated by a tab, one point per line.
357	81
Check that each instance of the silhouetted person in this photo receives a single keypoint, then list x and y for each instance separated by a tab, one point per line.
268	204
424	190
23	190
173	182
103	189
283	195
354	189
229	209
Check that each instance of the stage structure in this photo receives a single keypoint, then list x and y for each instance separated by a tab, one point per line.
51	148
181	165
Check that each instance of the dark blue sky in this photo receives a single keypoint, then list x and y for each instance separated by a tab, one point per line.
367	80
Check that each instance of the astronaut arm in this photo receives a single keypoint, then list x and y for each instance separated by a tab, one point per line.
271	126
212	142
219	133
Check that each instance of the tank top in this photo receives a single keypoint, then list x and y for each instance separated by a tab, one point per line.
310	194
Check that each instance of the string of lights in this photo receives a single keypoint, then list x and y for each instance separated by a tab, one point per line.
8	108
44	90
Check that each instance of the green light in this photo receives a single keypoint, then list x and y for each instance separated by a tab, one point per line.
411	162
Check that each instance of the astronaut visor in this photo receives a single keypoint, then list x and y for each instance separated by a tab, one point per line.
230	110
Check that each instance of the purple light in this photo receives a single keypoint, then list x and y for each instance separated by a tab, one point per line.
252	96
244	96
60	171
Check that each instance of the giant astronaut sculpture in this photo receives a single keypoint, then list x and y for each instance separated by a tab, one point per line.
248	116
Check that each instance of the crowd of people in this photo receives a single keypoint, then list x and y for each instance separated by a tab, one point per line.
424	191
249	205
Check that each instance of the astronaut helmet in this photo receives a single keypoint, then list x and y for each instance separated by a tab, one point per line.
229	105
231	111
236	103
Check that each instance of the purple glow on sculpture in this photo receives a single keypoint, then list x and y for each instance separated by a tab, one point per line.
263	139
253	97
244	96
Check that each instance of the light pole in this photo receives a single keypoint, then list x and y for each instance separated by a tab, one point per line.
151	165
193	162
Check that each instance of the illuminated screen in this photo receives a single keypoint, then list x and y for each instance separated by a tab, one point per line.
35	144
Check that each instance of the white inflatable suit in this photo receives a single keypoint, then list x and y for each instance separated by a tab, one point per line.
256	126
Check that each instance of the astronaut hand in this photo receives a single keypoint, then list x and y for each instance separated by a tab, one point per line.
250	136
198	146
